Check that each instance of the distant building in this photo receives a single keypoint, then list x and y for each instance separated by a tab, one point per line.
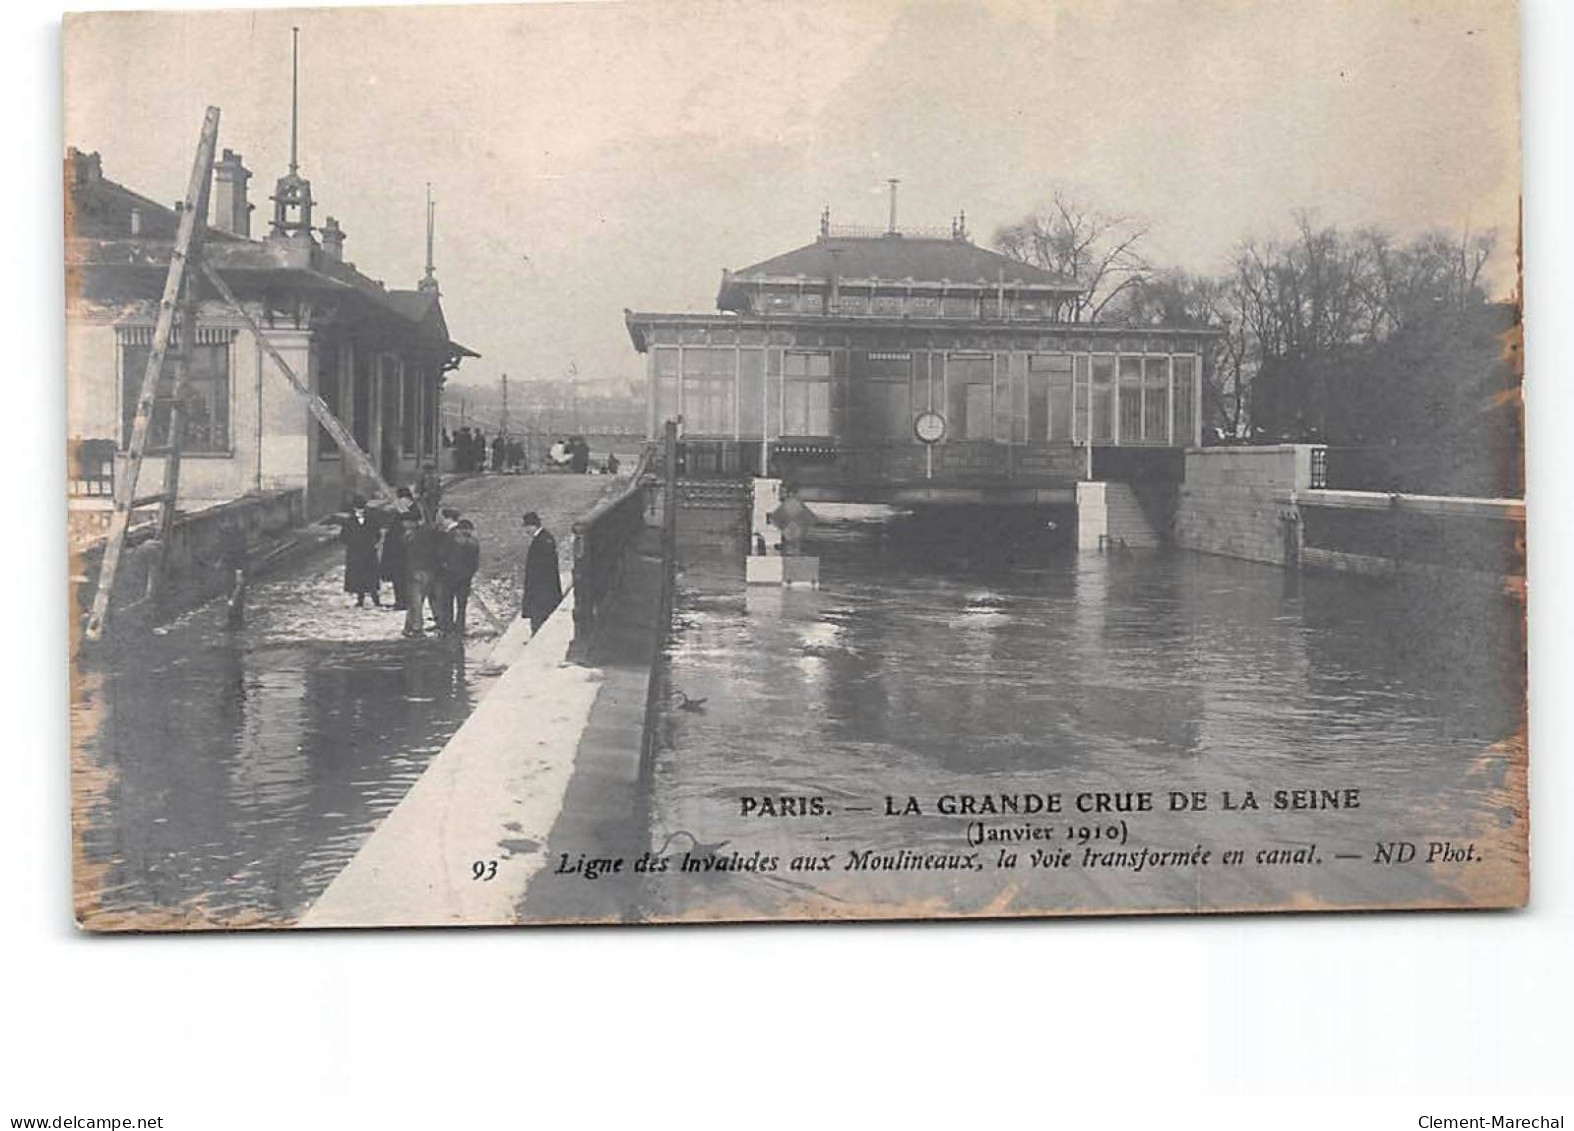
376	356
830	359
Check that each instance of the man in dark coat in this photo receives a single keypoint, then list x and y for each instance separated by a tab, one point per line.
423	547
393	561
499	447
543	587
360	533
461	558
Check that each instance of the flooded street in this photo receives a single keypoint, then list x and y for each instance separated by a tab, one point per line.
226	776
936	662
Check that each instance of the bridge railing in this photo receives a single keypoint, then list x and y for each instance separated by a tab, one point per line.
602	540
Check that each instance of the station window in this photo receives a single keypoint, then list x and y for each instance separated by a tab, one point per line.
806	394
205	398
664	366
970	397
1079	399
888	394
710	380
751	392
1155	400
1103	398
1185	392
1130	400
1049	396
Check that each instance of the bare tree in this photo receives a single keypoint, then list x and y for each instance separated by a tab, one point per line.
1098	250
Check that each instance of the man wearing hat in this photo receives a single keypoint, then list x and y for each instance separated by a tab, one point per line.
543	587
360	533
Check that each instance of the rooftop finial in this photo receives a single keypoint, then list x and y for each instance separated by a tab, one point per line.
295	84
429	281
825	222
292	193
891	228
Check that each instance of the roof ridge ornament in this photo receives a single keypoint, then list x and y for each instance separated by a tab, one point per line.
292	193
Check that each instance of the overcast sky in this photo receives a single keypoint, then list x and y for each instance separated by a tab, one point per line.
588	158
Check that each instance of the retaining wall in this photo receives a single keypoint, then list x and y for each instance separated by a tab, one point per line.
1238	501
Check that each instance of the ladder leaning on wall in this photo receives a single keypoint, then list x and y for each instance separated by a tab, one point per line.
177	310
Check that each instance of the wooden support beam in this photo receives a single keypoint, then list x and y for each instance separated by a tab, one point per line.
363	463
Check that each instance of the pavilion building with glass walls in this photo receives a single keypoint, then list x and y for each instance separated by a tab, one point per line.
829	366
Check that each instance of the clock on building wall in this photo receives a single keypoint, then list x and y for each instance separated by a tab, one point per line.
929	427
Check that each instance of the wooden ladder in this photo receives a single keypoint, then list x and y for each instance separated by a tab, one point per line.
180	298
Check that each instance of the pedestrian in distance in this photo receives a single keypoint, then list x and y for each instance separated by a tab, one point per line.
360	533
423	558
543	587
461	558
499	447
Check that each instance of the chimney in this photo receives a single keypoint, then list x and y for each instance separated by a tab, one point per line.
333	239
83	169
231	212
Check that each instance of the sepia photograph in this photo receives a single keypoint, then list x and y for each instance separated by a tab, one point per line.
644	463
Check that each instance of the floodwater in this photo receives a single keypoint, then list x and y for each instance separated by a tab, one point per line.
245	768
224	777
938	661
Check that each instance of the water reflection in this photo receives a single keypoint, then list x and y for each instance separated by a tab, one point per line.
244	769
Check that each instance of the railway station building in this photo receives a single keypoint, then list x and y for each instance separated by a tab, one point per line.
907	367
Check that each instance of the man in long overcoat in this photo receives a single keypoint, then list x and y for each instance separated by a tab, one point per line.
461	558
393	563
360	533
543	587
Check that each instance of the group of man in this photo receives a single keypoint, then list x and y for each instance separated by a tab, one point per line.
470	451
431	560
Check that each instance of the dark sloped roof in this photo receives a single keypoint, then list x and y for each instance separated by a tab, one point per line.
424	309
99	208
904	257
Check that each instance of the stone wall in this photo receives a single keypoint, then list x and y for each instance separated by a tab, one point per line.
1385	535
1237	501
206	547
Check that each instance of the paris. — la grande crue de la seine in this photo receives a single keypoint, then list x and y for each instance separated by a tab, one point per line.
1046	830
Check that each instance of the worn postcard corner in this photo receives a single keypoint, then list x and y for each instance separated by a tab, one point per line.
673	463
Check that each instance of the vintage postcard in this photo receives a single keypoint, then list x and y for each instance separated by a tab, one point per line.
689	461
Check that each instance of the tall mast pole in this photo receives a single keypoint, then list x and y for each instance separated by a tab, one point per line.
295	82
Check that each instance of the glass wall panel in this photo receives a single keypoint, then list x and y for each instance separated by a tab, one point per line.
1156	400
1185	394
1038	425
710	380
1057	368
888	382
806	389
1130	400
664	366
970	397
1103	398
1079	399
751	392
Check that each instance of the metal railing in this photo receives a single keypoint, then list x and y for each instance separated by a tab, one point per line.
1319	468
